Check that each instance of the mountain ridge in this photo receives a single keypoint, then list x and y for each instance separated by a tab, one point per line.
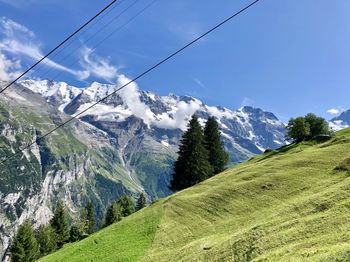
166	112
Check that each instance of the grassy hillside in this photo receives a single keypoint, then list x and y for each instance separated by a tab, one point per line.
290	205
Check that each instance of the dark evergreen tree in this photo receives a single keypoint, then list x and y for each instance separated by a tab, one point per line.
113	214
218	157
192	165
46	238
25	247
17	253
127	205
141	202
59	223
88	218
123	207
78	232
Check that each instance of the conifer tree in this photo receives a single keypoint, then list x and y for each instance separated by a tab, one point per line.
141	202
77	232
127	205
17	253
123	207
46	238
59	223
25	247
113	214
88	218
218	157
192	165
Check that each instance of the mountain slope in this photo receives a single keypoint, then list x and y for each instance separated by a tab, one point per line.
287	205
76	164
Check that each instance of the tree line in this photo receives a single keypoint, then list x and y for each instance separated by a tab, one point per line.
29	244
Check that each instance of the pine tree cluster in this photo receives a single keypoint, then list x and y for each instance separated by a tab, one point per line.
123	207
201	154
29	244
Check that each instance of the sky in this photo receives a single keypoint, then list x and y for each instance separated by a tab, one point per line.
288	57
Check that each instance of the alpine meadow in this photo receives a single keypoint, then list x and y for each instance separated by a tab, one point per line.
290	204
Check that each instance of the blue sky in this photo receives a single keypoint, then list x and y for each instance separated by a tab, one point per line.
289	57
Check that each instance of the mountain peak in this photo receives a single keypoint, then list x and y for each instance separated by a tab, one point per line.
164	112
341	121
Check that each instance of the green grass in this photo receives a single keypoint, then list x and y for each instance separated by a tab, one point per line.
126	241
290	205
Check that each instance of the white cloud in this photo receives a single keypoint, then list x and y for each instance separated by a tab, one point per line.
8	68
333	111
11	29
130	95
32	51
180	117
336	110
18	41
97	66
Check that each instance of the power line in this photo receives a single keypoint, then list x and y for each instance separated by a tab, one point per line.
59	45
106	37
92	36
82	32
109	35
136	78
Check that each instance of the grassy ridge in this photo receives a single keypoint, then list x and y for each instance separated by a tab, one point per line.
291	205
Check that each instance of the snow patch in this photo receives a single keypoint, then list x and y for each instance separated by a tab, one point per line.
165	143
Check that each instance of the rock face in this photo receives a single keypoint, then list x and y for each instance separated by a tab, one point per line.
76	164
341	121
124	145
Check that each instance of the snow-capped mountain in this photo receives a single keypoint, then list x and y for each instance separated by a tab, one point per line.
341	121
247	130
